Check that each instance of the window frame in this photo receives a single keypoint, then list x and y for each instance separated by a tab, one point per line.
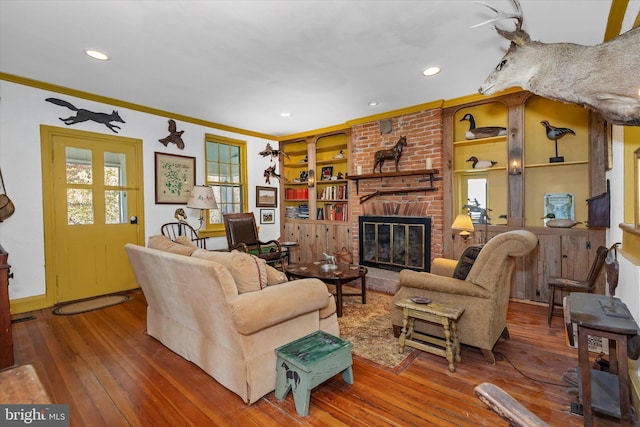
217	229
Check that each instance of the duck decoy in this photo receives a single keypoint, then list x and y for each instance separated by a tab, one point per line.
481	132
555	133
480	164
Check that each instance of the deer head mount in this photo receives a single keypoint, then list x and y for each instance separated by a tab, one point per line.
603	77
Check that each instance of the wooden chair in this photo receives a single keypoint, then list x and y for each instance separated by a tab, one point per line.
174	229
565	284
242	234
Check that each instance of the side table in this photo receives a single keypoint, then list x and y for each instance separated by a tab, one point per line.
442	314
605	392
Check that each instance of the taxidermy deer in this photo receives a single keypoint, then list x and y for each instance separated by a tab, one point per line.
605	77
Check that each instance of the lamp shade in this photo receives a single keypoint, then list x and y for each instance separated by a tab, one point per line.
462	222
202	198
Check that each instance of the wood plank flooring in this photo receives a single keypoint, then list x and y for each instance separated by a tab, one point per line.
112	374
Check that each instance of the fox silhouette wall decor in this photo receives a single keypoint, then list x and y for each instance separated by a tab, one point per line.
83	115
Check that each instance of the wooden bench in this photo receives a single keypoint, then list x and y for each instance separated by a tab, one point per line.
309	361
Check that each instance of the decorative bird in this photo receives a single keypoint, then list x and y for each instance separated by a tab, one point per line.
270	151
481	164
554	133
269	173
481	132
174	136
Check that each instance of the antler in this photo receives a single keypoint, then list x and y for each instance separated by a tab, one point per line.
518	36
500	15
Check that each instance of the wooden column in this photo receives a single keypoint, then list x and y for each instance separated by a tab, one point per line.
6	338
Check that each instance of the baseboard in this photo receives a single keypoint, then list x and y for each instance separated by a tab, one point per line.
23	305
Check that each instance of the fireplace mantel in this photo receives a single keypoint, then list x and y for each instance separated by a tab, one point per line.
423	172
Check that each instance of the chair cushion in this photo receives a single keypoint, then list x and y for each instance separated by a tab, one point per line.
248	271
466	261
163	243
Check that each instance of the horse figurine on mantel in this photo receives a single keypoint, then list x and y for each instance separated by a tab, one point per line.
392	153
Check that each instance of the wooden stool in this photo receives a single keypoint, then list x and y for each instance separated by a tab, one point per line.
441	314
309	361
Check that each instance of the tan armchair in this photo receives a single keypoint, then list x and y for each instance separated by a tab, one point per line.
484	294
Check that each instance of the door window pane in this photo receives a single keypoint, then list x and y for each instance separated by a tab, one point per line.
78	165
115	206
79	206
115	171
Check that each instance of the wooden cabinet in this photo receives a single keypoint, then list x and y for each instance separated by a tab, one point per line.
315	238
523	173
315	195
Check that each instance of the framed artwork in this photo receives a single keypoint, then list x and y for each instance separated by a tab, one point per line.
266	197
558	206
267	216
327	171
175	177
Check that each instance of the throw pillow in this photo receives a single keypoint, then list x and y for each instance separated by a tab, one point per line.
163	243
184	240
466	261
275	277
248	271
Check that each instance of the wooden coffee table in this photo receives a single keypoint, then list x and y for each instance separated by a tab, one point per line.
344	273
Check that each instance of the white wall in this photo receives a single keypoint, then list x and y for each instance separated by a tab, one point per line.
628	289
23	109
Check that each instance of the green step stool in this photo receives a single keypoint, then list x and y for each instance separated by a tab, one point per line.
309	361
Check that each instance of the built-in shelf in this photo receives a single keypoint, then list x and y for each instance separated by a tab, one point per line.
544	165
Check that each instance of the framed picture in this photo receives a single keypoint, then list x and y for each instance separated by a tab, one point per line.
558	206
267	216
327	171
266	197
175	177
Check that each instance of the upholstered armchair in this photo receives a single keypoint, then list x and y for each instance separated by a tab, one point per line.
484	294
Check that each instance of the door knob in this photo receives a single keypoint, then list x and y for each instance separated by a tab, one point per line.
133	220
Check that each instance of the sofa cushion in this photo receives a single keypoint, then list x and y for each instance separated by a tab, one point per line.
163	243
466	261
248	271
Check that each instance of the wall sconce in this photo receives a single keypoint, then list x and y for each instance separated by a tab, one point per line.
514	168
202	198
311	178
463	222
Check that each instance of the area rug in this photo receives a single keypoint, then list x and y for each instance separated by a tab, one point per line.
90	304
368	328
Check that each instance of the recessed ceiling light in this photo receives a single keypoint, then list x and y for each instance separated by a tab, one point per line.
373	103
431	71
286	114
96	54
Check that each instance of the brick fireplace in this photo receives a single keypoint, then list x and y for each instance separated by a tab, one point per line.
423	131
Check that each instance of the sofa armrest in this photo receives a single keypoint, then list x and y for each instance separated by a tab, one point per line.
436	283
443	266
254	311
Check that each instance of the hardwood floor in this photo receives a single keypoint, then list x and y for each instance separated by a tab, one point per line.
113	374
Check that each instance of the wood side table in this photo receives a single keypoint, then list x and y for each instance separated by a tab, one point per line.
438	313
605	392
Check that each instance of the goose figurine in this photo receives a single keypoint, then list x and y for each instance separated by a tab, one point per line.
482	132
480	164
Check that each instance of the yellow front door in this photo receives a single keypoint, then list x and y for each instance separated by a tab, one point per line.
92	187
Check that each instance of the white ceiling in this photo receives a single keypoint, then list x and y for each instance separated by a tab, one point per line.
242	63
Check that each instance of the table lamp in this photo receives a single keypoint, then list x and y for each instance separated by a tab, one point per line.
463	222
202	198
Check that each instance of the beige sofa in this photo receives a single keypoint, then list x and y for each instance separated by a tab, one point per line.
484	294
196	309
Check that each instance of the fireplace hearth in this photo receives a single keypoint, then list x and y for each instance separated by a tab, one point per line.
395	243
